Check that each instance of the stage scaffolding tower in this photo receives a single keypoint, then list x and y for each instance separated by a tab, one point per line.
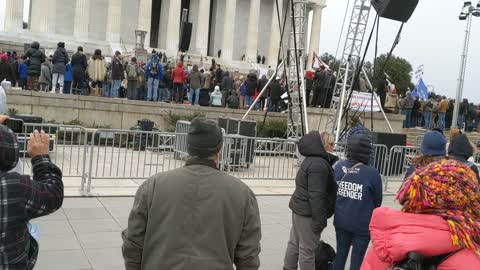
296	54
349	64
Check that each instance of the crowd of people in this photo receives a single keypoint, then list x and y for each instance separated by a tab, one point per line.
155	80
437	112
439	220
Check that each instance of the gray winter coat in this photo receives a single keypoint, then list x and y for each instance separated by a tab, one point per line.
46	74
195	79
60	60
194	217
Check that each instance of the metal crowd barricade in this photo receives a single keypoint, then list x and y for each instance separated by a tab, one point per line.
259	158
67	150
180	151
130	154
401	157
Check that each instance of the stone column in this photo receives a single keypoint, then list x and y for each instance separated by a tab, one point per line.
228	29
275	34
201	40
315	32
13	16
43	16
114	20
252	34
82	19
173	27
145	19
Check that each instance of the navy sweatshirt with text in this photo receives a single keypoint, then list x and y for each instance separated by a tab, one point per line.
359	193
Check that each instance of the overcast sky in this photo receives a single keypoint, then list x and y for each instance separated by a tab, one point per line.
432	37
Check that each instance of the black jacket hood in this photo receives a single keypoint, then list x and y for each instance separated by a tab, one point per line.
35	45
311	145
460	146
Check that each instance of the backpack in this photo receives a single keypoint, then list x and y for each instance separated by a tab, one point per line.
154	69
132	72
416	261
324	256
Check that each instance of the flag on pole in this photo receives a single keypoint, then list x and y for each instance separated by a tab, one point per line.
420	90
317	62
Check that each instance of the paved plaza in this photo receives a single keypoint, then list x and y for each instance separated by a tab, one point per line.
85	233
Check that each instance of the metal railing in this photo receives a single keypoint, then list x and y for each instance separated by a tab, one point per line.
67	149
87	156
130	154
259	158
400	158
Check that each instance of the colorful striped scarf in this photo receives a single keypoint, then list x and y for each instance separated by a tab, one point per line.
448	189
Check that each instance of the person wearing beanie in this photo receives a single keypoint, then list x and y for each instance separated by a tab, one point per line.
79	68
440	216
60	60
460	149
196	216
359	193
23	198
312	202
433	148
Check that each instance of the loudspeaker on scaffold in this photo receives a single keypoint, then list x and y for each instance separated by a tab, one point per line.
397	10
185	37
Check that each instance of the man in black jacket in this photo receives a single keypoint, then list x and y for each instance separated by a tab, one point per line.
79	66
117	74
312	203
275	93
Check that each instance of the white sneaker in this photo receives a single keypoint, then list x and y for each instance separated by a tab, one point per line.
53	92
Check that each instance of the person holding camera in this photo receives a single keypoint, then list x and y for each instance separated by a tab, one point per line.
23	198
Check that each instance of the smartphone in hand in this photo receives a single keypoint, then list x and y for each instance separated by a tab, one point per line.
16	125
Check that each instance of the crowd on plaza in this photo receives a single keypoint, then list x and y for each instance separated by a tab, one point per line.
156	80
197	217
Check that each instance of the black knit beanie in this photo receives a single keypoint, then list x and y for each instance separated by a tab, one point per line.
204	138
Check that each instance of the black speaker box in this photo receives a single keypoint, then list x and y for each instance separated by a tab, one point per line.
389	139
398	10
185	37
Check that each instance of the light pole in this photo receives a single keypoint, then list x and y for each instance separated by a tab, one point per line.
467	12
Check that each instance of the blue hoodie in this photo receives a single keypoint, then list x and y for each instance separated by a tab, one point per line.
68	76
22	71
159	75
359	193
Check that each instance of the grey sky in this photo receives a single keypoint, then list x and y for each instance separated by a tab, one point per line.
432	37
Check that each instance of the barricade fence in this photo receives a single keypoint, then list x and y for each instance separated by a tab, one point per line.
86	155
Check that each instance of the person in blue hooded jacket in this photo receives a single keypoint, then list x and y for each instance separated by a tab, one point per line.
153	75
359	193
67	78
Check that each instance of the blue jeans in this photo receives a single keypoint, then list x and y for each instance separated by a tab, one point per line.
67	87
178	90
248	101
115	87
460	121
107	88
428	119
163	94
441	120
359	245
193	91
152	89
408	118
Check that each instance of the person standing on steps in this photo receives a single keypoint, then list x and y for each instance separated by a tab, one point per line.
60	60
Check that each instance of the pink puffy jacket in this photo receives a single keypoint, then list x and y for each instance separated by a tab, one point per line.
395	233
